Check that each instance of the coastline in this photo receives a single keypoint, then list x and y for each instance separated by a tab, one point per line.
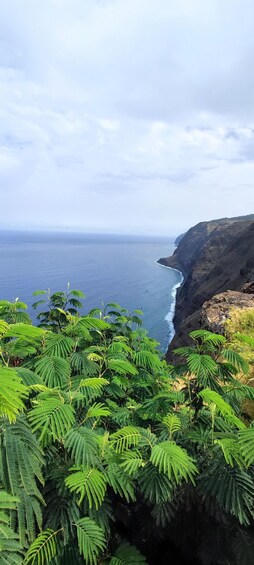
169	318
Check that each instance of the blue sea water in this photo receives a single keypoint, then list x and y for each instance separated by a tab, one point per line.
108	268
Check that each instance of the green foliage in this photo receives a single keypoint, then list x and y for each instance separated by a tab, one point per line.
24	330
173	423
234	491
201	364
21	462
131	461
82	444
59	306
13	312
122	366
10	547
215	401
246	443
172	460
120	482
236	360
101	441
12	394
53	370
91	540
58	345
90	323
127	554
43	549
52	417
89	483
125	438
148	360
232	451
155	486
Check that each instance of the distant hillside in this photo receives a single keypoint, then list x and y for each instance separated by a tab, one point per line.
247	218
179	238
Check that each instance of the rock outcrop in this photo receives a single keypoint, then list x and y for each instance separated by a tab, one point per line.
214	257
216	311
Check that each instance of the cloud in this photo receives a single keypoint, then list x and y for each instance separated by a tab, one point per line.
128	115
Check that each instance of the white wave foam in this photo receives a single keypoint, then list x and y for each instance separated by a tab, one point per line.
170	315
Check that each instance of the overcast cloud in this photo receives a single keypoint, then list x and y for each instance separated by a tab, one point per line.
131	116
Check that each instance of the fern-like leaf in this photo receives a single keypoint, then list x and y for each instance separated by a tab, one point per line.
200	365
53	370
28	377
154	485
91	540
10	546
246	443
148	360
208	337
172	423
52	416
131	461
85	390
96	383
236	360
88	483
59	345
97	410
212	397
12	394
232	488
231	451
125	438
43	548
21	469
122	367
174	461
120	482
82	444
80	362
90	323
25	331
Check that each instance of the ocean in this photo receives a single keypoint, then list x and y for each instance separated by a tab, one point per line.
107	268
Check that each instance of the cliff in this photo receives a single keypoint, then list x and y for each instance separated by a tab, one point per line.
178	238
214	257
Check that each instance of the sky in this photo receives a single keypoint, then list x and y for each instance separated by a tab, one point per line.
125	116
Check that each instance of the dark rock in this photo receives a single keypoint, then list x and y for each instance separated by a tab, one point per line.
248	288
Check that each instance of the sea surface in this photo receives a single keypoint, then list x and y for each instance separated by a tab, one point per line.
107	268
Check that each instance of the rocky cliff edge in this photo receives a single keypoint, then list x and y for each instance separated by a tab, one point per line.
214	257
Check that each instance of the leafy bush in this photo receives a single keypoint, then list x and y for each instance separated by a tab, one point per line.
110	456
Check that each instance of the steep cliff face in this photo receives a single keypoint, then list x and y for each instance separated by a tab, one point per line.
213	257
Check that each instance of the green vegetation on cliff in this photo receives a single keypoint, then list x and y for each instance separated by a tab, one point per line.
110	456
